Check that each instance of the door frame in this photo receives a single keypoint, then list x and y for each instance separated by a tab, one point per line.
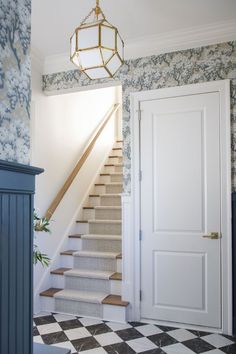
131	205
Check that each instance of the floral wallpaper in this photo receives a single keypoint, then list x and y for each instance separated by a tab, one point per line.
15	88
214	62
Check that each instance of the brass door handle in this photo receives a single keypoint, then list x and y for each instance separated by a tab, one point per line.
213	236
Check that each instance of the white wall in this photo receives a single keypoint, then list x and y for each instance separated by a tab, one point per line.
61	128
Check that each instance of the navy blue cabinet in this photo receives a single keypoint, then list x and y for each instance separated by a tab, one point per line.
17	185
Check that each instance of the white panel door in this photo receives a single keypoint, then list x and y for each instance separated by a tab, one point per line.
180	203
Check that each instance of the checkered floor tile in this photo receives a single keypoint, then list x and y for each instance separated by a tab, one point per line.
91	336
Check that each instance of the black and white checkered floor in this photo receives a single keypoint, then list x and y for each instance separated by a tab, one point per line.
90	336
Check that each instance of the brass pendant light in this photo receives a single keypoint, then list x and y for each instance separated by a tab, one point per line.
96	46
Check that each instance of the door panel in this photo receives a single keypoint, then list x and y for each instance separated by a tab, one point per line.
180	203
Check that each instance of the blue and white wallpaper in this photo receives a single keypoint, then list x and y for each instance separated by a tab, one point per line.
15	79
215	62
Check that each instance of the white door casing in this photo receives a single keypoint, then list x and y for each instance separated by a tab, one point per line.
181	239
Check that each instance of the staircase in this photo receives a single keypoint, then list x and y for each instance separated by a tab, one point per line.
88	282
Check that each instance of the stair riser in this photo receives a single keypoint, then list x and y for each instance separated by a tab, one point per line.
107	214
108	312
116	153
116	287
75	244
58	281
110	201
91	263
108	189
69	262
99	190
87	284
117	178
110	179
88	214
99	285
94	201
82	228
119	265
113	169
78	308
104	179
113	189
102	245
66	261
115	160
105	228
110	286
118	145
118	169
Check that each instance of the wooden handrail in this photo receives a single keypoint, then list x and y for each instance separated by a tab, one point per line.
80	163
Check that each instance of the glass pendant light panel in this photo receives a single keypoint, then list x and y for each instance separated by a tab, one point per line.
114	64
73	45
108	37
76	61
107	54
98	73
120	47
88	37
90	58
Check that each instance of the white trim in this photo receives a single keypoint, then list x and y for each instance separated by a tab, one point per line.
167	42
133	254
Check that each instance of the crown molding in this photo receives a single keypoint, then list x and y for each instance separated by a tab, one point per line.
193	37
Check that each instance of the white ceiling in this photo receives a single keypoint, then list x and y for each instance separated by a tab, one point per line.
53	21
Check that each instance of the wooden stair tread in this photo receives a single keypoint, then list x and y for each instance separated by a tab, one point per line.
99	184
116	276
82	221
88	208
117	149
114	157
94	195
50	292
68	253
119	141
114	300
105	174
75	236
119	256
60	271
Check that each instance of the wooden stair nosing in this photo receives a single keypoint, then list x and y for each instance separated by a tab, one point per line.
88	208
60	271
94	195
119	141
117	149
75	236
116	276
68	252
50	292
82	221
115	300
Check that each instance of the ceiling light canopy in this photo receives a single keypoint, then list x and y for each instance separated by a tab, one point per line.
96	46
